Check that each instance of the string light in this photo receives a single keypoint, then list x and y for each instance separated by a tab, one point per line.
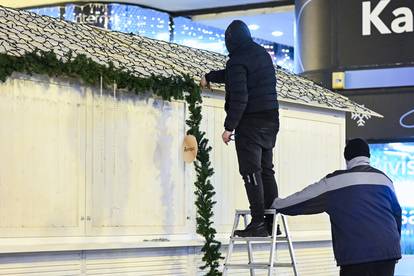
134	19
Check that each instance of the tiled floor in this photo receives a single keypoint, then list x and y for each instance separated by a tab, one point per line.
405	266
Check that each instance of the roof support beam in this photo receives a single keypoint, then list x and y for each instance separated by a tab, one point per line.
243	13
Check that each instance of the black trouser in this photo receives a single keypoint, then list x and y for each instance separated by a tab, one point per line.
383	268
255	140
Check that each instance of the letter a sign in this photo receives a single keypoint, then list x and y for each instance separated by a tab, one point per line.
371	17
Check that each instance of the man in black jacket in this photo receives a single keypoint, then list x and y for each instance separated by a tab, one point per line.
252	112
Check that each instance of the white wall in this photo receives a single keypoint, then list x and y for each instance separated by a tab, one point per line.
309	146
313	260
76	163
87	169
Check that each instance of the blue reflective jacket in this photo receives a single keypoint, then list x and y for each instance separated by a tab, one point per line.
364	212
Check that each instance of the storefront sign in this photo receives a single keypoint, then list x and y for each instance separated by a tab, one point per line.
406	118
93	14
397	109
374	33
403	21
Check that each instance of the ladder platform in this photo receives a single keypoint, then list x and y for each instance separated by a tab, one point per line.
247	212
257	265
259	239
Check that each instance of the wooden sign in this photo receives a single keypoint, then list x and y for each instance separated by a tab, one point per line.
190	148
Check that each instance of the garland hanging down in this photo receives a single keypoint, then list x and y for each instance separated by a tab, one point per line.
177	88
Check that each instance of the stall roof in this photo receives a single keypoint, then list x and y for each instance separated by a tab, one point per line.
23	31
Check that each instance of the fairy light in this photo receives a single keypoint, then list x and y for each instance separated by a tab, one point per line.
138	20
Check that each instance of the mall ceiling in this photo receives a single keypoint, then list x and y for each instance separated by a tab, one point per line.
270	20
172	6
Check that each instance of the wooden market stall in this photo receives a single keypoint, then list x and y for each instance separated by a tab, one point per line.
92	180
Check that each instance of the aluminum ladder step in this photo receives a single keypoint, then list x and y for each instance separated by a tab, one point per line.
257	265
273	239
259	239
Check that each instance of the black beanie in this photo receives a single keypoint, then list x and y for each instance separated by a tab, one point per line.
356	147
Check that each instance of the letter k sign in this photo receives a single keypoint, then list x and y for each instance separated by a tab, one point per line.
402	23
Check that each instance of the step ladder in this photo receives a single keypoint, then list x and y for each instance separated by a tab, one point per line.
273	240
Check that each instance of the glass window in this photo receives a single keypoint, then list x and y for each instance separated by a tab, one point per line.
189	33
155	24
137	20
49	11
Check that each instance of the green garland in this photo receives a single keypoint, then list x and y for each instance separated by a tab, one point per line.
178	88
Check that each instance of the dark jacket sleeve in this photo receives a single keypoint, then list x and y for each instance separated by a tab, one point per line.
237	95
396	209
311	200
216	76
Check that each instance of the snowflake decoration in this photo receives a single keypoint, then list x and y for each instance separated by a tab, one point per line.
360	118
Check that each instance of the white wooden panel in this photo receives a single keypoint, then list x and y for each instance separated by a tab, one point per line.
310	145
56	139
312	259
152	262
227	182
42	164
138	171
48	264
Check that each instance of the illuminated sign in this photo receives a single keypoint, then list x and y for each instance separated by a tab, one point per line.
403	21
397	161
93	14
372	34
405	117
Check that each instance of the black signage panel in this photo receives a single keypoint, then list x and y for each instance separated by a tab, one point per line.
374	33
397	109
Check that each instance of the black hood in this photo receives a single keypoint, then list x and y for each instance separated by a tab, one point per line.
237	34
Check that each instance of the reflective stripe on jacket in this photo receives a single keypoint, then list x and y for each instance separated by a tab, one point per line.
364	212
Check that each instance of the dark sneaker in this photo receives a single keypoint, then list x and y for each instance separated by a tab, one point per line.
253	230
269	228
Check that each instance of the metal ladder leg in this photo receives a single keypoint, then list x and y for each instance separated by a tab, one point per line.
273	245
291	253
231	244
249	249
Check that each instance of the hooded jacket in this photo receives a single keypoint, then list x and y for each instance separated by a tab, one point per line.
364	212
249	77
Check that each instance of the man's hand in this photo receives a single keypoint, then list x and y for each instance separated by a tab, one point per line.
226	136
204	83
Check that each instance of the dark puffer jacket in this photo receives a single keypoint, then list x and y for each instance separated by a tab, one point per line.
249	77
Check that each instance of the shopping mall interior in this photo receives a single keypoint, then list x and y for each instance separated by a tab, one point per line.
114	114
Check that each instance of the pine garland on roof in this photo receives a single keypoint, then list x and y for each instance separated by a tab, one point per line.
172	88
